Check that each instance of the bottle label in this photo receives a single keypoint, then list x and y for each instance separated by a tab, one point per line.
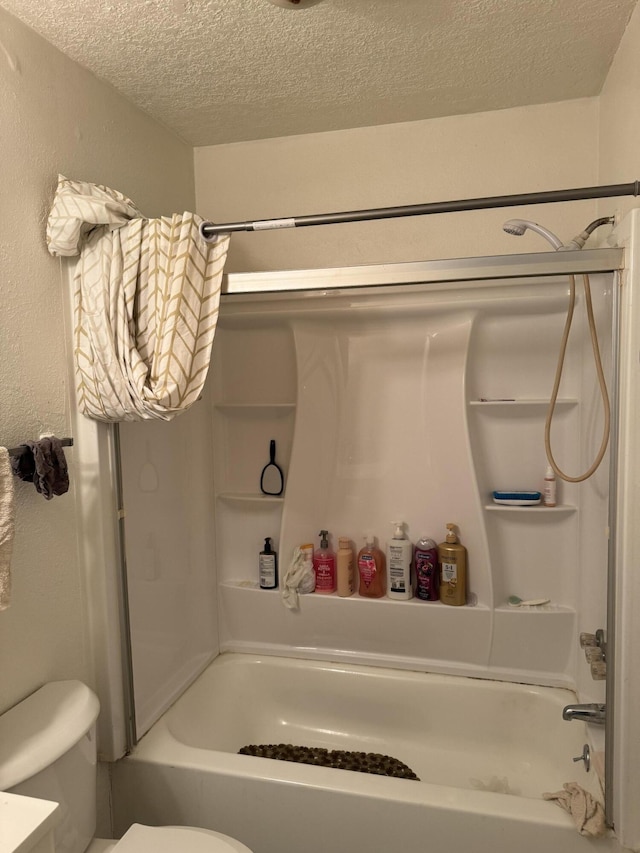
396	568
549	493
325	574
367	569
450	573
427	575
345	572
267	571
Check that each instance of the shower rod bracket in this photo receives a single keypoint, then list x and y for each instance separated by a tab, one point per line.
210	231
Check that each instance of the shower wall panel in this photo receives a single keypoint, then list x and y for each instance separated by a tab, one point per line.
171	578
413	405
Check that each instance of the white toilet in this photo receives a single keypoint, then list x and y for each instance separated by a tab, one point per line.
48	751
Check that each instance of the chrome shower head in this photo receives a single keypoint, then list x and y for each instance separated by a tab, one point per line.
517	227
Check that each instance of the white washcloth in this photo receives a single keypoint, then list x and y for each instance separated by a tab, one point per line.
587	813
7	527
299	577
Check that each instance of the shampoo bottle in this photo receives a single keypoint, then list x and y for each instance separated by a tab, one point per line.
453	569
371	569
268	565
324	566
399	561
427	569
346	585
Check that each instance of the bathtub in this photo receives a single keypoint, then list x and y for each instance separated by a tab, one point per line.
484	752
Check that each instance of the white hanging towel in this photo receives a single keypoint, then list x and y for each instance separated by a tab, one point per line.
7	527
146	300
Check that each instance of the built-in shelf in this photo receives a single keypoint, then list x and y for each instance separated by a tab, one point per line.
249	498
540	608
507	404
232	407
536	508
253	586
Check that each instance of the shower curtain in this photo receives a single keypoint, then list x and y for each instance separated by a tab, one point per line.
146	299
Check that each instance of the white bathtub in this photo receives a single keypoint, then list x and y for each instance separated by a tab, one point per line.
484	752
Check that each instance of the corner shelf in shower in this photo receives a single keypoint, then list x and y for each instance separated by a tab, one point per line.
248	498
249	407
536	509
551	609
512	404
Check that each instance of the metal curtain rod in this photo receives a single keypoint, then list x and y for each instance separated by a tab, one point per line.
209	230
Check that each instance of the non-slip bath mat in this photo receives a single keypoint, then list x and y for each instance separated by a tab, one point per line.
340	759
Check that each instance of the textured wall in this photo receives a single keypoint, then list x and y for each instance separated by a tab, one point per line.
56	117
553	146
223	71
620	116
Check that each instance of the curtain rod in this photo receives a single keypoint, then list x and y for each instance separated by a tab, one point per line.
210	231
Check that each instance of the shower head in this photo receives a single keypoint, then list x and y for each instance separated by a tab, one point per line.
517	227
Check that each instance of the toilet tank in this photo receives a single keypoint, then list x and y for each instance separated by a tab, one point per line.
48	750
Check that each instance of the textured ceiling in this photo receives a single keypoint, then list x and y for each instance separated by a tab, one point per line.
229	70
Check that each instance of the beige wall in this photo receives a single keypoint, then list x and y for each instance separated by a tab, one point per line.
620	117
56	117
552	146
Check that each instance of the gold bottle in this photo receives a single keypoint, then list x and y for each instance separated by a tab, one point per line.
452	557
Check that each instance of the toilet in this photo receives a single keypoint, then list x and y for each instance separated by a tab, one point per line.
48	751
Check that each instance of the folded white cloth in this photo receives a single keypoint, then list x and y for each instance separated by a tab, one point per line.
299	577
586	811
7	527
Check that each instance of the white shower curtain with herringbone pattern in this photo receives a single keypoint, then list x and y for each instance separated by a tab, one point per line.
146	300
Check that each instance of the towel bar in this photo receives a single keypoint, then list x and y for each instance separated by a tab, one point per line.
18	451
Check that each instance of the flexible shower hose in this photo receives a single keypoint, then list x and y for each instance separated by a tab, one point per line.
601	382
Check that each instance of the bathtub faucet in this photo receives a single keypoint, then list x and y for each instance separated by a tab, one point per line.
590	713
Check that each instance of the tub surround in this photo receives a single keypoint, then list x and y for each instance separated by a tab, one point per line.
411	400
390	404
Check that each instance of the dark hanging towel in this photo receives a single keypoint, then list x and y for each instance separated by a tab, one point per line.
43	463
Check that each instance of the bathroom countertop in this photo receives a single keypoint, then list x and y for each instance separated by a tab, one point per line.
25	823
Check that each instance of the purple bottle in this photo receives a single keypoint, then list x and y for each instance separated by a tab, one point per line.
427	571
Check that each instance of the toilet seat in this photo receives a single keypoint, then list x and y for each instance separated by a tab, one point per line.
169	839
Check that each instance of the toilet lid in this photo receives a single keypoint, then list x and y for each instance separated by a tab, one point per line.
169	839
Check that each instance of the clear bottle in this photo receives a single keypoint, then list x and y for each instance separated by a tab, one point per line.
371	569
324	566
427	569
268	566
453	569
549	490
399	551
346	583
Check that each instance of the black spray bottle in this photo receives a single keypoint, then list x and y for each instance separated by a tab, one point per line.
268	563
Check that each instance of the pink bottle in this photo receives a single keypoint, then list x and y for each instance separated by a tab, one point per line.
324	566
372	568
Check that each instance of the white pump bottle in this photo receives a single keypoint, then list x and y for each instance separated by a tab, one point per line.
399	552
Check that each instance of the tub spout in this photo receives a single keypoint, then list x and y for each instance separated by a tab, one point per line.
590	713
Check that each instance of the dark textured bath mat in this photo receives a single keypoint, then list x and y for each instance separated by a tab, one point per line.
341	759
